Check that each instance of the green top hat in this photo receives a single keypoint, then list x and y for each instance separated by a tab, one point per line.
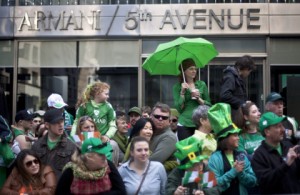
189	152
219	116
268	119
95	145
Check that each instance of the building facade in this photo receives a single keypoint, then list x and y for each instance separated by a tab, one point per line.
53	46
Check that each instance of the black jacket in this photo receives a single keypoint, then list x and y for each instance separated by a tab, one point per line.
233	89
274	176
118	188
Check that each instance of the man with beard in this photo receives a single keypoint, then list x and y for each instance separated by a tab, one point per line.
134	114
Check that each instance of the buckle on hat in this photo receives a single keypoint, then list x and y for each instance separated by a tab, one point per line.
191	155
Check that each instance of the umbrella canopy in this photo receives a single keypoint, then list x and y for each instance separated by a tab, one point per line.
168	56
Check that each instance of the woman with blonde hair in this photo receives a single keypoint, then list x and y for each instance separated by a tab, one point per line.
87	128
94	103
30	176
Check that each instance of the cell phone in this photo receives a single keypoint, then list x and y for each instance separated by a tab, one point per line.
240	157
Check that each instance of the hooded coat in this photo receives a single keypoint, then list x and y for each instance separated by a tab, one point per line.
233	89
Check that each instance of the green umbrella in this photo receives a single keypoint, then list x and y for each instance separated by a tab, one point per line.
168	56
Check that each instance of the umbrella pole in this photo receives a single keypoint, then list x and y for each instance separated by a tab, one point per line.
182	73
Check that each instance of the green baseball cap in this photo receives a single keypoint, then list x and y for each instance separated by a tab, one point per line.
174	112
189	152
268	119
95	145
135	110
219	116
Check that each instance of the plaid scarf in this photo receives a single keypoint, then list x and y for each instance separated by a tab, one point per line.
89	182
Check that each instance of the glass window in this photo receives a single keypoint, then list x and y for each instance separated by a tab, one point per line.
109	54
284	50
159	89
254	84
123	86
47	54
38	76
6	79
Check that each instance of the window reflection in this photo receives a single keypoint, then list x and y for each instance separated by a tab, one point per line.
36	84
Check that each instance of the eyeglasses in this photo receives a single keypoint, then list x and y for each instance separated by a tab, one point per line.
161	117
174	120
29	163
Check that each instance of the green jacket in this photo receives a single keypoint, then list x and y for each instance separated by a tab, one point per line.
186	105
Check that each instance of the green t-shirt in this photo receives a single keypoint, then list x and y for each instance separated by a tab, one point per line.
230	159
52	144
278	148
249	142
18	132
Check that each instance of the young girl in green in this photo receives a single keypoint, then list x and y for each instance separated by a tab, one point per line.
94	104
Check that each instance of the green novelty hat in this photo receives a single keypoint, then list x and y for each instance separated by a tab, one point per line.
219	116
95	145
189	152
268	119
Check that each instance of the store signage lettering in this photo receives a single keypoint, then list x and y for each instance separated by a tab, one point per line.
198	18
61	22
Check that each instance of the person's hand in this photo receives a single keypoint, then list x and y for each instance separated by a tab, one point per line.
184	87
105	139
292	155
180	190
199	192
200	101
239	166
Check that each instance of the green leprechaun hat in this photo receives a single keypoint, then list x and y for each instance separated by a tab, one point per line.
96	145
189	152
219	116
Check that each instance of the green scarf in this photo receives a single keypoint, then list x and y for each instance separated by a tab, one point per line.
84	173
122	141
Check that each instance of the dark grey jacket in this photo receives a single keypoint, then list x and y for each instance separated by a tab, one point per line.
58	157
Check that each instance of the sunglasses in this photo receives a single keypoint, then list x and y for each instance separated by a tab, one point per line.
161	117
29	163
174	120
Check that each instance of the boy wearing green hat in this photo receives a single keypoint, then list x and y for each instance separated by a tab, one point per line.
276	163
232	168
189	153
